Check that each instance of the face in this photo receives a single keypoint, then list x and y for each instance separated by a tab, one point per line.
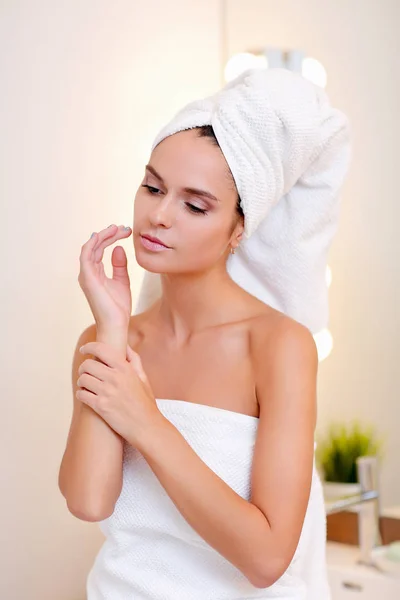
187	199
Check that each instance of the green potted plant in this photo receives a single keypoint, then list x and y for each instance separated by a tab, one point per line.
336	456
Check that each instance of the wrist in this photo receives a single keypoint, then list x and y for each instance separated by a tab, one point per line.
116	336
110	328
122	323
151	436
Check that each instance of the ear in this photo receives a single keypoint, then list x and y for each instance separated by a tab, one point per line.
239	231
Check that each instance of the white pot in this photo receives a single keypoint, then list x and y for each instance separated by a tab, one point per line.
335	490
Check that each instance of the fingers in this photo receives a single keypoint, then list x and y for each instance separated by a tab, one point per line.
87	249
106	233
87	398
130	354
90	383
107	237
93	249
93	367
135	360
104	352
119	263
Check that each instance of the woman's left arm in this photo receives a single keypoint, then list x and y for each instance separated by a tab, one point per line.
259	537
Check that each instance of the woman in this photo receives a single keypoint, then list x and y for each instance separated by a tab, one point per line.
192	436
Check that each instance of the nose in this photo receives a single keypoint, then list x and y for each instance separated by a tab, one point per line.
163	213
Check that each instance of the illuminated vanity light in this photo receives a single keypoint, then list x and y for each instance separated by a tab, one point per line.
324	342
328	276
313	70
293	60
238	63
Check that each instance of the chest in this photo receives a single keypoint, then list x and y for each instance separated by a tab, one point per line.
215	369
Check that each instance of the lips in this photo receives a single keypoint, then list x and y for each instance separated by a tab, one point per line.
155	240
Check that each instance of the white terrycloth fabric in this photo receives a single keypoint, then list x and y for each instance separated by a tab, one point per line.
288	151
152	553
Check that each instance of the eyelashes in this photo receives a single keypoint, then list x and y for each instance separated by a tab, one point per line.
191	207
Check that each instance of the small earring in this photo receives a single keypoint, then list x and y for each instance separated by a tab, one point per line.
232	250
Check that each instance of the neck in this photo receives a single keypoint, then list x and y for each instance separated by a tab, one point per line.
191	303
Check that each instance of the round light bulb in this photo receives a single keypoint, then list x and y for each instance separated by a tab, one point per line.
313	70
324	342
328	276
238	63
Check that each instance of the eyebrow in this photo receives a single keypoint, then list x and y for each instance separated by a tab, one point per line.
189	190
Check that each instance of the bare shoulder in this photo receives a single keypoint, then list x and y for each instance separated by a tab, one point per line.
273	327
87	335
277	340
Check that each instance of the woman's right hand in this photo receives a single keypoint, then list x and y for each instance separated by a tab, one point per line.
109	299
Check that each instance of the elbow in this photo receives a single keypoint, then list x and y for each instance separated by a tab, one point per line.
268	573
260	580
84	510
90	515
87	511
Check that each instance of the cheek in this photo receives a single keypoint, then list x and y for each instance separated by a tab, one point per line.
206	239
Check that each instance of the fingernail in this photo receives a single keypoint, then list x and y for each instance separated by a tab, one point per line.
94	233
127	228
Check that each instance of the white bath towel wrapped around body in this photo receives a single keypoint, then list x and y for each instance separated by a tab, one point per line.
152	553
288	151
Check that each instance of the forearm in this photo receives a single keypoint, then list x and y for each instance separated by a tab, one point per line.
234	527
91	469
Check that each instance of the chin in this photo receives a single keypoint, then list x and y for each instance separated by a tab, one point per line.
149	261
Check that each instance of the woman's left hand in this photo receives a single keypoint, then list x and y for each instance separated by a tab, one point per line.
119	391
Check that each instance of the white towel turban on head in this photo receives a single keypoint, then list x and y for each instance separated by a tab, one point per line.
288	151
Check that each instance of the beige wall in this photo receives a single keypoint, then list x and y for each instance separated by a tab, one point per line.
85	87
88	85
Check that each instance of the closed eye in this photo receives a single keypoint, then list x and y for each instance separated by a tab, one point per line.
195	209
191	207
151	189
